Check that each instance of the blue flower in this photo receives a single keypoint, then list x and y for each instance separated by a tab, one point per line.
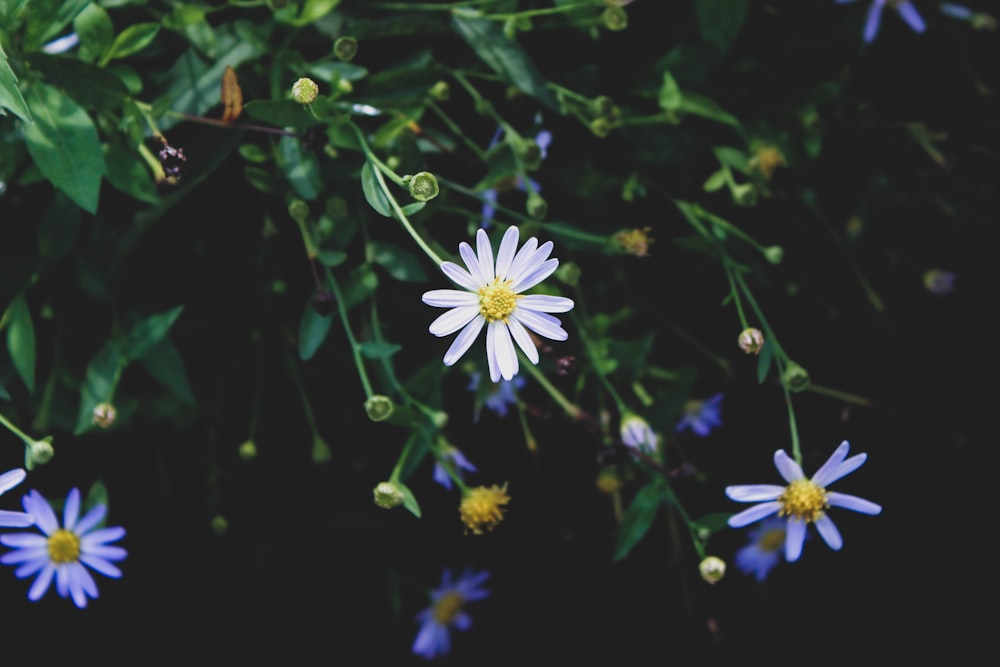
63	552
450	457
543	139
803	501
499	395
765	547
8	519
904	8
701	416
447	610
637	434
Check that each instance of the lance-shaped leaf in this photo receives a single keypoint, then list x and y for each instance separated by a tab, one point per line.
10	95
148	333
313	329
131	40
21	340
100	382
638	519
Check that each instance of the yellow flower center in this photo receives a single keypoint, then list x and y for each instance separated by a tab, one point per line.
772	540
447	608
497	300
64	547
481	508
803	500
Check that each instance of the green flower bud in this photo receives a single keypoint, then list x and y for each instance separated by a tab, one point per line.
379	408
982	21
299	210
568	273
484	107
304	91
40	452
439	419
345	48
601	106
744	194
530	153
615	18
423	186
795	377
440	91
600	127
344	86
387	495
537	207
712	569
248	451
219	525
774	254
320	451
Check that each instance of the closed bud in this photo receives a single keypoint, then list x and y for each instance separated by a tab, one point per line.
484	107
601	106
219	525
751	340
345	48
712	569
304	91
320	450
774	254
615	18
568	273
982	21
530	153
379	408
600	127
40	452
248	451
104	415
795	377
537	207
387	495
299	210
423	186
440	91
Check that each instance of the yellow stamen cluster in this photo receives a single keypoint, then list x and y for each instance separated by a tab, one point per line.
64	547
635	241
481	508
448	607
497	300
767	159
803	500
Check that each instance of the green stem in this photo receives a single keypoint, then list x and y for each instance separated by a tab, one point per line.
25	438
595	362
836	393
456	130
355	348
571	410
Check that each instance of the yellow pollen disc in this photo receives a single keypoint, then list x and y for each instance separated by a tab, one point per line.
481	508
64	547
497	300
447	608
803	500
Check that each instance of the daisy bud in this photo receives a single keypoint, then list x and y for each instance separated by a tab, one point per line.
40	452
299	210
601	106
481	509
744	194
423	186
634	241
219	525
530	153
751	340
440	91
600	127
104	415
320	451
983	22
712	569
248	451
795	377
379	408
615	18
304	91
608	481
345	48
774	254
537	206
387	495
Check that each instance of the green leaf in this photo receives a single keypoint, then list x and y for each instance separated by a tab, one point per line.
733	158
99	383
638	519
21	340
128	173
63	143
91	86
331	258
410	209
711	523
45	19
700	105
715	182
670	97
166	365
764	360
58	231
10	94
313	329
3	393
409	500
131	40
360	284
720	20
283	113
504	56
378	350
93	26
373	190
147	333
301	168
311	11
401	264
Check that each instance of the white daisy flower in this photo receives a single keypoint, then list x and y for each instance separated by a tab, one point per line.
494	299
803	501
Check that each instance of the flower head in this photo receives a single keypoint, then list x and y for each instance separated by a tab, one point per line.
62	552
498	396
765	548
451	458
637	434
938	281
701	416
751	340
493	299
447	610
803	501
712	569
904	8
8	519
482	508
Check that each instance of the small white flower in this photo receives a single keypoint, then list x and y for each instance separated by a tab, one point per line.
803	501
494	299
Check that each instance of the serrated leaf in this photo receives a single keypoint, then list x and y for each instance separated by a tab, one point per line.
313	329
64	145
21	340
504	56
638	519
378	350
373	191
401	264
99	382
10	94
147	333
131	40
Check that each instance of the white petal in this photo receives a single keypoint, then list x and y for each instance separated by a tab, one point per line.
787	468
71	512
849	502
508	244
544	303
11	478
795	535
829	533
449	298
844	469
464	340
10	519
823	476
469	257
522	258
523	339
753	493
485	251
453	320
35	504
41	583
460	276
540	323
532	278
491	354
503	347
24	540
755	513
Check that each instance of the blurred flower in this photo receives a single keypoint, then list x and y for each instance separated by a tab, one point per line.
481	508
447	609
634	241
62	44
451	457
904	8
701	416
764	550
766	159
8	519
104	415
500	394
751	340
956	11
493	299
939	282
543	139
803	501
62	553
712	569
637	434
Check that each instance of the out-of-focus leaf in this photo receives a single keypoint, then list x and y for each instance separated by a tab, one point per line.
670	97
45	19
166	365
63	143
720	20
332	258
638	519
733	158
94	28
194	84
400	263
764	360
232	96
313	329
360	284
283	113
21	340
700	105
99	382
300	167
711	523
3	393
131	40
147	333
504	56
715	182
378	350
311	11
373	190
58	231
10	94
128	173
409	500
92	86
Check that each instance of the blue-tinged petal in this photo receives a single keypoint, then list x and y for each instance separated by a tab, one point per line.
543	303
845	468
101	565
755	513
544	140
462	621
451	321
10	519
844	2
525	262
464	340
754	493
910	15
873	20
849	502
30	567
460	276
11	478
24	555
71	511
523	339
824	475
530	279
541	323
828	531
794	538
106	552
469	257
956	10
449	298
505	255
41	583
789	470
91	519
489	207
523	255
485	253
504	349
62	579
81	577
432	640
37	506
24	540
102	536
